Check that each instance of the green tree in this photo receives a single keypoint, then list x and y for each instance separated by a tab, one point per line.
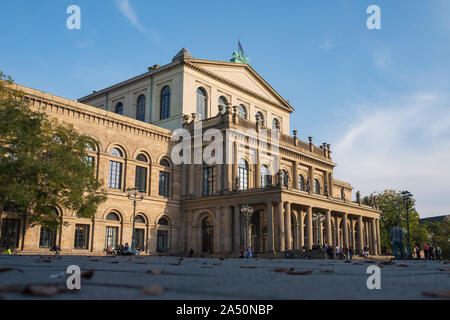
439	234
43	163
393	209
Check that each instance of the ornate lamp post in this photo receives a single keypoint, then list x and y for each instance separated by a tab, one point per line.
407	197
134	195
247	212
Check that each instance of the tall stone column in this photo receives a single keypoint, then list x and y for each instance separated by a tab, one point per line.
191	179
352	226
378	236
184	180
345	230
374	237
295	175
227	229
218	247
329	229
310	227
301	229
331	182
237	229
258	170
297	236
281	236
219	180
360	234
235	161
270	242
311	179
288	226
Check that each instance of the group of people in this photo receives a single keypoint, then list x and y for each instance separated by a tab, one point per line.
341	253
246	253
122	250
397	236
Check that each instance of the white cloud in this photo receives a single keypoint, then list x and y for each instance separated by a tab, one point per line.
128	11
327	45
401	143
382	57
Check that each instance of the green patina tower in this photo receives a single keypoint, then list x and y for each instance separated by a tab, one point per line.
239	55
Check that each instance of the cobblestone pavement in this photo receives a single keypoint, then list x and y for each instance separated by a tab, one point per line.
22	277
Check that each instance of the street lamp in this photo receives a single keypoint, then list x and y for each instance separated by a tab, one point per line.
247	212
134	195
407	197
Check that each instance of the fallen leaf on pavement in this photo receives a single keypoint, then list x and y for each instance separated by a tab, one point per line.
369	261
11	269
221	258
41	290
386	263
329	271
155	271
87	274
247	267
444	269
114	261
217	264
299	272
93	260
437	294
175	263
402	265
152	290
10	288
206	267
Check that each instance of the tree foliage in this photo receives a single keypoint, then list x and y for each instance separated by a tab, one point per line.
43	163
393	209
439	235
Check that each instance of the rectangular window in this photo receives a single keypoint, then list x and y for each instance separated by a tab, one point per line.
48	238
162	241
139	238
91	161
115	175
209	181
141	179
10	233
164	183
81	236
111	237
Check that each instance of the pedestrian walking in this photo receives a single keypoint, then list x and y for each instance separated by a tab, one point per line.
418	251
438	253
397	236
431	252
426	248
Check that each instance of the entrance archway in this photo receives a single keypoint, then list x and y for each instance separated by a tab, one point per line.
207	235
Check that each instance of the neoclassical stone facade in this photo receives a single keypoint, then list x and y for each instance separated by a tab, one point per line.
289	183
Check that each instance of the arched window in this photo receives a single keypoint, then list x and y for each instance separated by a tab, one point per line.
223	104
112	217
316	186
209	180
201	104
275	124
141	157
90	159
141	174
266	177
139	219
115	170
163	221
119	108
116	152
261	118
207	235
164	179
242	111
243	174
301	182
140	108
165	103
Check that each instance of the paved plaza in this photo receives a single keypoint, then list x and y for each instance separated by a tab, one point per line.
27	277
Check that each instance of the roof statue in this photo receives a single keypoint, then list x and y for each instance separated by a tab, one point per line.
239	55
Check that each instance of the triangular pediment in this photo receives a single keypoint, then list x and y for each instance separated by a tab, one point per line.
244	76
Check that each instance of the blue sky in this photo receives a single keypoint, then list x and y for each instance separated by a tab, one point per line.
380	97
